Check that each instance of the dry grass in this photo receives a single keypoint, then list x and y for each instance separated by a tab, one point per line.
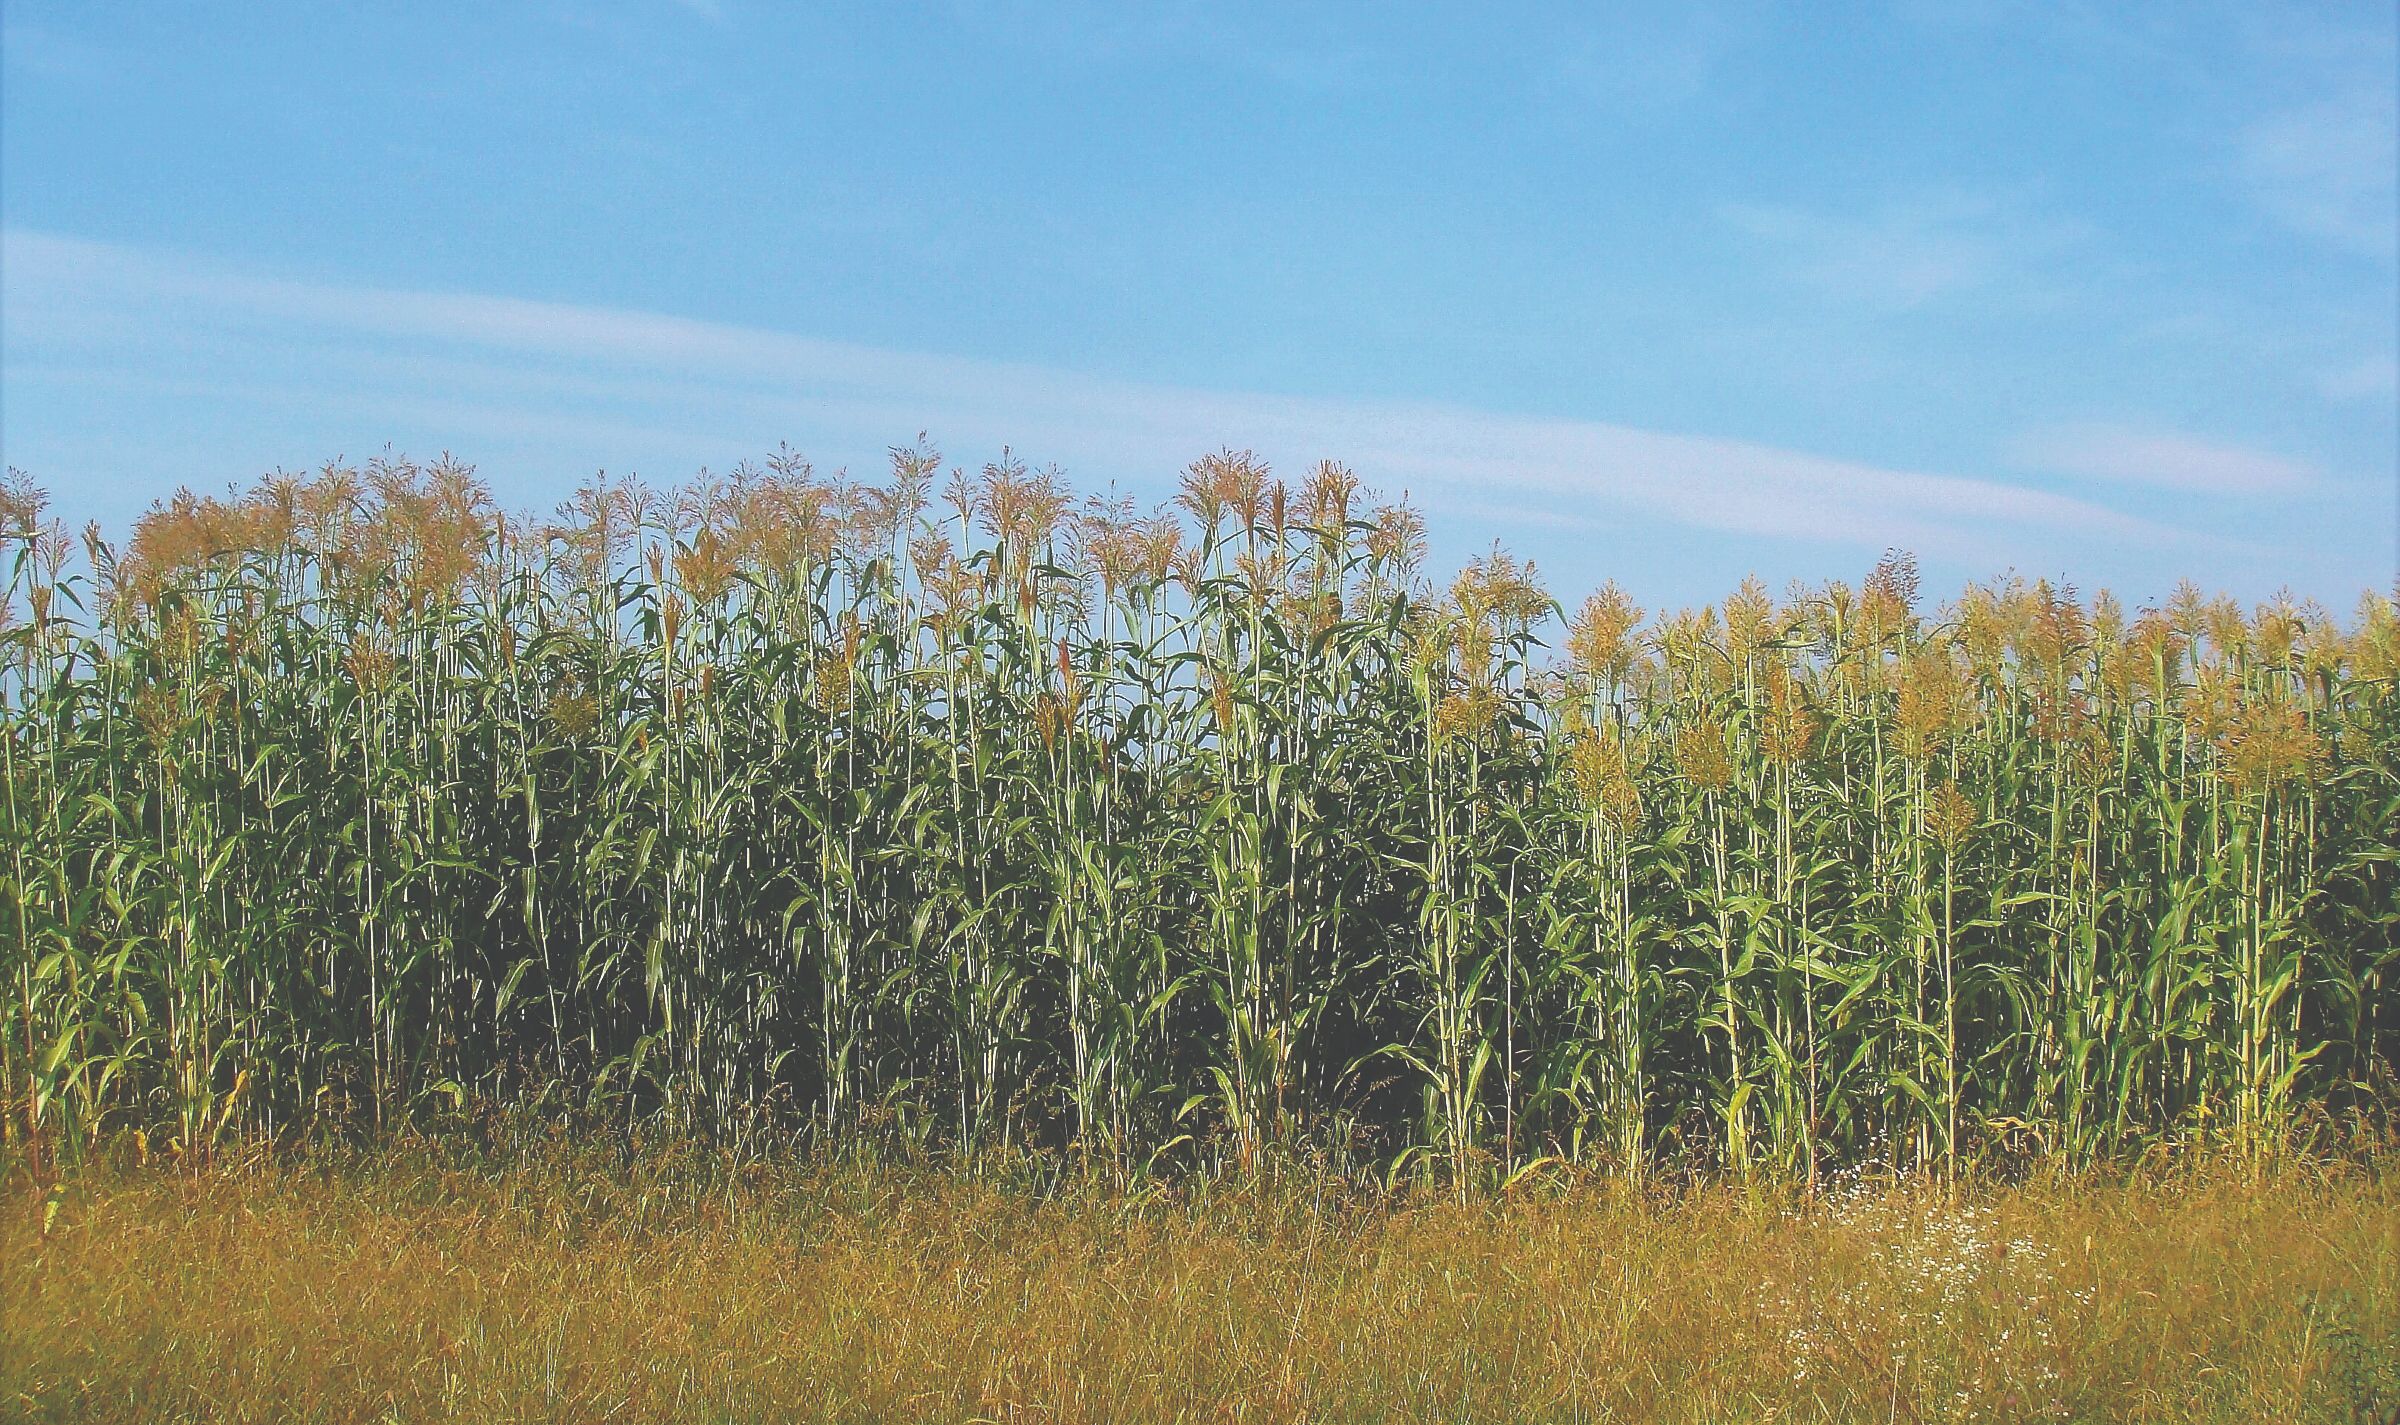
578	1288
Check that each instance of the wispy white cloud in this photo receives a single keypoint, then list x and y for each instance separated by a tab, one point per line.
2327	168
2373	379
2166	460
1912	253
472	363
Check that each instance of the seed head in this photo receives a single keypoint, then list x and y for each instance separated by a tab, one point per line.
1701	757
1788	729
1950	817
1887	601
1326	495
1465	715
1220	699
572	712
2270	746
1600	764
1600	639
2210	706
1749	620
1054	718
158	710
705	567
2276	629
1397	543
1931	704
2374	651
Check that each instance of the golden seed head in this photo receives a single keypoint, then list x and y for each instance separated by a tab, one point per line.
1931	703
2374	651
1054	718
1220	699
705	567
1950	817
1887	601
21	505
1601	766
1498	588
1600	639
1789	728
368	664
573	713
1701	757
2227	632
1397	542
2210	705
2276	629
159	711
2269	746
1465	715
2051	629
1326	495
1749	620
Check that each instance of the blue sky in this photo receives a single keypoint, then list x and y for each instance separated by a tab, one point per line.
1668	294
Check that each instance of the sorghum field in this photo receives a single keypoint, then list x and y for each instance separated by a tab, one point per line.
1380	999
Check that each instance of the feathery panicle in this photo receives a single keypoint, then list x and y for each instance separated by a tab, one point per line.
1396	544
1600	641
2268	746
1788	729
2374	651
1951	817
1326	496
1749	622
21	505
1931	705
1887	601
1701	757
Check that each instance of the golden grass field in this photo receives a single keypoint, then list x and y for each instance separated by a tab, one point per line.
575	1285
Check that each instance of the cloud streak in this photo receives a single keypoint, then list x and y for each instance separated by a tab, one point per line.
478	364
2327	169
1903	256
2372	379
2165	460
